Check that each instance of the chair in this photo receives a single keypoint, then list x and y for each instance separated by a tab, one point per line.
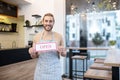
84	60
75	56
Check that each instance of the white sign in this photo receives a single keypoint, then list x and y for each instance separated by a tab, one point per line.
46	46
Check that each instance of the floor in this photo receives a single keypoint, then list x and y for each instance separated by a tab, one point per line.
25	70
19	71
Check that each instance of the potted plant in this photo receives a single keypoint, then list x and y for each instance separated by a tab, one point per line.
97	39
112	43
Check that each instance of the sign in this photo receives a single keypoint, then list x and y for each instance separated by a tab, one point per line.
8	9
46	46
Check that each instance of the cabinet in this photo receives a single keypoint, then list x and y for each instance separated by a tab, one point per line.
9	56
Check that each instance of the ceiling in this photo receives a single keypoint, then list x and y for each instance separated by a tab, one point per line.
83	5
17	2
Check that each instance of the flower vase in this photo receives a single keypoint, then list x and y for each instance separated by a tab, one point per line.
113	46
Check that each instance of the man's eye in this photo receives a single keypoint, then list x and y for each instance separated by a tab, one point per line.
46	20
50	21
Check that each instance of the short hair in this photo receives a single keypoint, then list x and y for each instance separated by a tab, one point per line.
49	14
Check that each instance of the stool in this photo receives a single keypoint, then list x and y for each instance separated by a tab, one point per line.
79	57
97	75
99	60
100	66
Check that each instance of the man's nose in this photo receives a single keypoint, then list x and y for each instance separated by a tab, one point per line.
48	22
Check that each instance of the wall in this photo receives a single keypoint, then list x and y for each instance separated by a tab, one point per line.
7	38
37	7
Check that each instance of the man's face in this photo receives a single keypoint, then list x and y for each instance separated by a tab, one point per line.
48	23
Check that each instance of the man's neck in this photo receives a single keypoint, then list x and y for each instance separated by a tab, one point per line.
47	32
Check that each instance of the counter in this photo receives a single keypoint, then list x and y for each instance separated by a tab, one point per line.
13	55
12	48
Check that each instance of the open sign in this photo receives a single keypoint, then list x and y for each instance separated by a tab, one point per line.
46	46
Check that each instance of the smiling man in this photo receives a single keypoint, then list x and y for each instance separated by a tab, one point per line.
48	66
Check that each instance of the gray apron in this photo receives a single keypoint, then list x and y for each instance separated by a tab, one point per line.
48	66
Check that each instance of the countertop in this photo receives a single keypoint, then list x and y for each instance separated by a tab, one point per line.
13	48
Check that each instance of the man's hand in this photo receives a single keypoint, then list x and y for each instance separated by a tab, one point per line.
62	50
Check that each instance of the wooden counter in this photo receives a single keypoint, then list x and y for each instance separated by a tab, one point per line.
88	48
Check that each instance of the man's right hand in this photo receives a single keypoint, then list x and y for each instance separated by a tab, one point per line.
33	52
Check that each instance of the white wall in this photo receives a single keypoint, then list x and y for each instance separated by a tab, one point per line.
57	7
59	12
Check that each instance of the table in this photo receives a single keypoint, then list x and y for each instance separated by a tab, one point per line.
113	59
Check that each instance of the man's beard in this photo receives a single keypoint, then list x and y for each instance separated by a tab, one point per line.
48	28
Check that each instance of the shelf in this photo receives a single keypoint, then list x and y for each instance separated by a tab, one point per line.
34	26
9	31
37	25
36	16
4	23
28	26
5	27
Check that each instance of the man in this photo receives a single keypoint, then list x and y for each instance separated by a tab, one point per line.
48	65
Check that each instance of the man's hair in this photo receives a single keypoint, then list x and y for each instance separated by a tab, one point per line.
48	14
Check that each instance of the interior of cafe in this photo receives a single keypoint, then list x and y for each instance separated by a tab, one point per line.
90	29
